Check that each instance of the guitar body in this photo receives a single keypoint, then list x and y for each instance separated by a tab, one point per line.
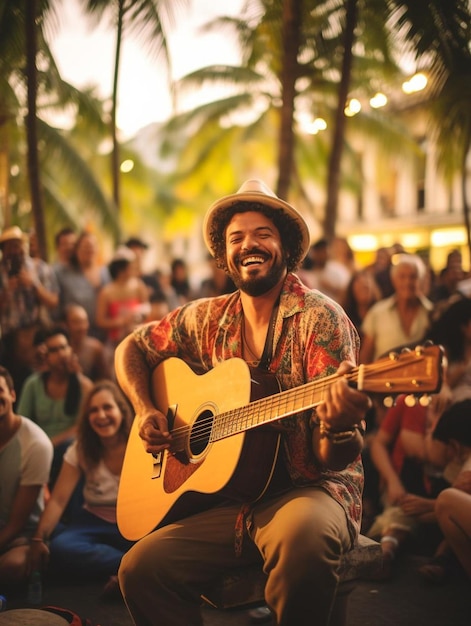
198	472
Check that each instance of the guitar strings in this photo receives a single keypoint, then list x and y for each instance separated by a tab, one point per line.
249	415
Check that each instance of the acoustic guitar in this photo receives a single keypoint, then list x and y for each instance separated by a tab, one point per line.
223	444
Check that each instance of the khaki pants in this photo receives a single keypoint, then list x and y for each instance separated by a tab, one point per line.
301	536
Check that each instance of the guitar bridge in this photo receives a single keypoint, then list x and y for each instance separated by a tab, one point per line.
157	465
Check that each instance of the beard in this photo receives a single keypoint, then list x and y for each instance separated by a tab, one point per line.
258	285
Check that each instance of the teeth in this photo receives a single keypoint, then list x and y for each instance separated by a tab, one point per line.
252	259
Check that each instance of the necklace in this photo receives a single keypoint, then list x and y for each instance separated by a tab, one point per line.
264	360
254	360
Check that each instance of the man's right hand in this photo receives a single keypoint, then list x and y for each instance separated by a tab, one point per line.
154	432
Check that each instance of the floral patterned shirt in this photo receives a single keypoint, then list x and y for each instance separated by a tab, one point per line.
312	335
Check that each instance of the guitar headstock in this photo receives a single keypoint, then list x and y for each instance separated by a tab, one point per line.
416	372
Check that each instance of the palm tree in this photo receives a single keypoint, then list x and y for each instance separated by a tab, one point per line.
145	18
439	34
58	166
280	79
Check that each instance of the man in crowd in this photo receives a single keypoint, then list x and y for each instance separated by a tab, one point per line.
28	293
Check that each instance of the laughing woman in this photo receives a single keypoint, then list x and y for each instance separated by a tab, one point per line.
89	545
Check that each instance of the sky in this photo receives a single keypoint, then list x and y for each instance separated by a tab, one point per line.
85	56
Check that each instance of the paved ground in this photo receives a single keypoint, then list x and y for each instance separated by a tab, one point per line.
403	601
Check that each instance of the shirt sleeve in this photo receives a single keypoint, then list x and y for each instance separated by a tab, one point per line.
37	455
71	455
48	278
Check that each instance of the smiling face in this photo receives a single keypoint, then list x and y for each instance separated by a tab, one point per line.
104	414
255	257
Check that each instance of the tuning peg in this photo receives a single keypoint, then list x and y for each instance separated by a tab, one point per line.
410	401
393	356
405	350
389	401
425	400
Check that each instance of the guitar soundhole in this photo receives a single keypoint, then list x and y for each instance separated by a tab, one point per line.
201	433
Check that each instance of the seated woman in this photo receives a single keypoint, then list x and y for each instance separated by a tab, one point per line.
90	544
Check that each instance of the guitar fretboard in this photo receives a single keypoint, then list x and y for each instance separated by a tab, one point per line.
270	409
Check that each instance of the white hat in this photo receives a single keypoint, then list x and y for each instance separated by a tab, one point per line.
123	253
255	191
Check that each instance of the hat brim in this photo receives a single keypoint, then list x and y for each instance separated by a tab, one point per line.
261	198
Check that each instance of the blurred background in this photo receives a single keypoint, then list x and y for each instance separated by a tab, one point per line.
130	117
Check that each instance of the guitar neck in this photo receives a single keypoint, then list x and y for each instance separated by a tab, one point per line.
411	372
271	408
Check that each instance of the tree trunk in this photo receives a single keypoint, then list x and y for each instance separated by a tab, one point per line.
31	128
115	158
292	11
333	177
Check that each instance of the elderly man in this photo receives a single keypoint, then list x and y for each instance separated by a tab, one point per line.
308	513
28	292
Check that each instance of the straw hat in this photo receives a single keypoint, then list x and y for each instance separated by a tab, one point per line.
14	232
254	191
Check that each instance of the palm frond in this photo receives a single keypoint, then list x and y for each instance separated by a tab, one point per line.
58	152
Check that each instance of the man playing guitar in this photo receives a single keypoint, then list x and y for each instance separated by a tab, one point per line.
308	512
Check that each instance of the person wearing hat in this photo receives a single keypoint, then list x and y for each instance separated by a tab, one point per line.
28	293
308	512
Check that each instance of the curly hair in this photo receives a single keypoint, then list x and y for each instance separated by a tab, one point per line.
89	445
290	232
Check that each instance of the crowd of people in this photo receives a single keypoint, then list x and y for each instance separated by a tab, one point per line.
77	331
60	323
